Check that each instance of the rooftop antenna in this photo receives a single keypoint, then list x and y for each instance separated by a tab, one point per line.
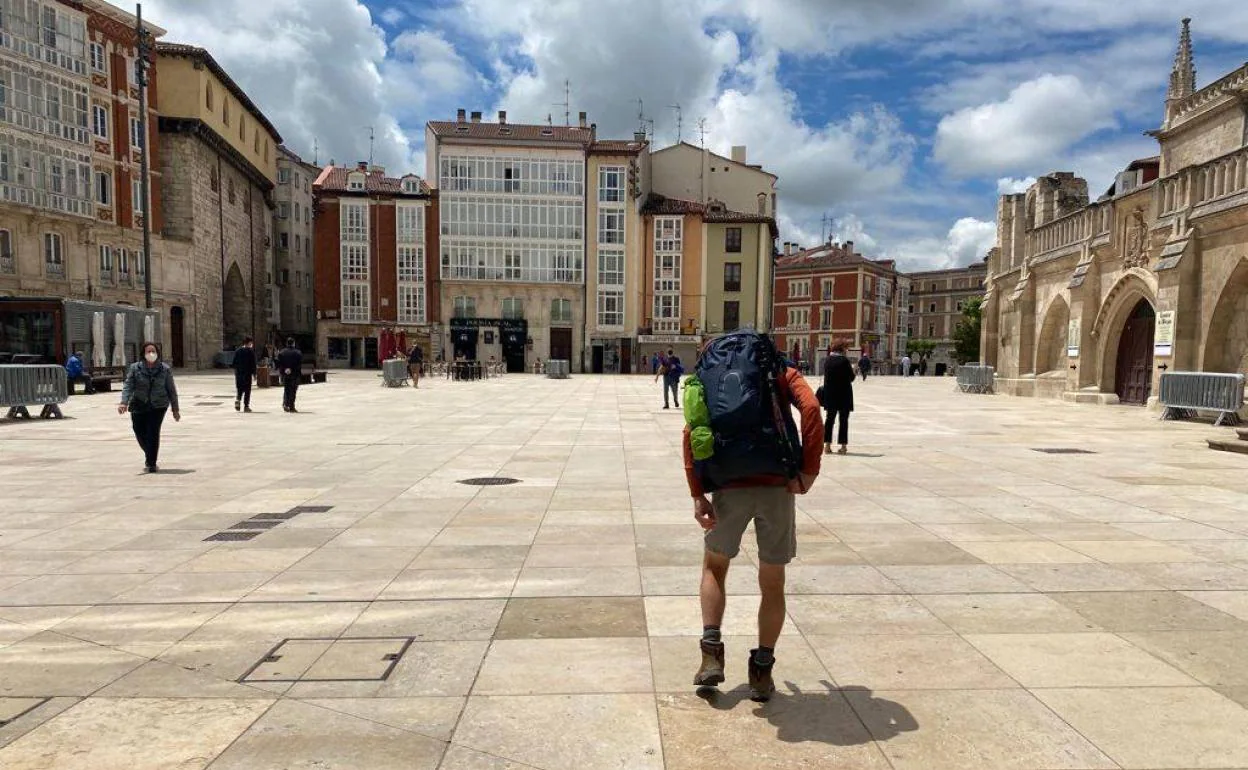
370	146
566	104
702	133
679	121
823	222
316	152
645	125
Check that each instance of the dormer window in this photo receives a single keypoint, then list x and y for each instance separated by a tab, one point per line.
355	182
411	185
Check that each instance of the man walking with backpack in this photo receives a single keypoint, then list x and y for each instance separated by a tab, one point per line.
742	446
671	372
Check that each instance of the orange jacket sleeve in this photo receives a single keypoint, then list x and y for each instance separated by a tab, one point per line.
811	420
695	486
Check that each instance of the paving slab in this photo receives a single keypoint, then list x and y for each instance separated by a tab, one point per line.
958	600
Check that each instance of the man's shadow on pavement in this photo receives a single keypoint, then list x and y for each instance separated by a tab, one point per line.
825	717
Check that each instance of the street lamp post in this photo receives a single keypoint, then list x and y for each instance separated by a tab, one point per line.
141	64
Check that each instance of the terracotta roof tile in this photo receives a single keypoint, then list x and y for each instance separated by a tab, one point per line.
512	131
661	205
828	255
616	147
334	179
202	55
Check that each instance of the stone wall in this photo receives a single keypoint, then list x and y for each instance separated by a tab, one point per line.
219	234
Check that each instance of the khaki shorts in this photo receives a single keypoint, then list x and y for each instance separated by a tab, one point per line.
773	511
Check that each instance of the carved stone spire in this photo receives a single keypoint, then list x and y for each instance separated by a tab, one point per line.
1183	77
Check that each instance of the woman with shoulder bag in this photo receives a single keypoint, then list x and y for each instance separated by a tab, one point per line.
148	394
838	396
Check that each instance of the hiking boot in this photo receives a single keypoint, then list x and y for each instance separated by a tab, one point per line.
711	672
827	449
843	450
236	405
761	684
246	409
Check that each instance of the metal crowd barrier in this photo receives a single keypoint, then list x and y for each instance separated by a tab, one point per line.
27	385
558	370
394	373
1182	393
975	378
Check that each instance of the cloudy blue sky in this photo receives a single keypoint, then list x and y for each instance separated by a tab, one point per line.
901	120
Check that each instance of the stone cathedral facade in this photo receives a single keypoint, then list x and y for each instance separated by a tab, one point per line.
1092	300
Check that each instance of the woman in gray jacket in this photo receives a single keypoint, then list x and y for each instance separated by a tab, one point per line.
149	392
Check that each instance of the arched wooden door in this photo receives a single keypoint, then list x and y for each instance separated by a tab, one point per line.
1133	378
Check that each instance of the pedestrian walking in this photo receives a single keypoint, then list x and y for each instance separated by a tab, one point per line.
743	447
864	366
76	371
671	371
290	364
415	360
244	366
838	397
148	394
905	365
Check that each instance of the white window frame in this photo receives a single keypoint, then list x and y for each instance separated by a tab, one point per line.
799	288
99	58
123	261
53	249
106	260
612	181
104	188
283	210
611	226
557	305
136	197
356	181
283	176
464	307
136	134
513	307
100	121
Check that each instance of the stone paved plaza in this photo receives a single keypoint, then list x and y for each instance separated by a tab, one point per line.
959	601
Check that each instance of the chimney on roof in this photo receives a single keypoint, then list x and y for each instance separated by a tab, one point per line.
362	165
849	247
738	154
584	118
476	116
788	248
379	170
502	117
639	137
459	116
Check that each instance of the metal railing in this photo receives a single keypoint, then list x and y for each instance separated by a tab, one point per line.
558	370
22	386
975	378
1183	393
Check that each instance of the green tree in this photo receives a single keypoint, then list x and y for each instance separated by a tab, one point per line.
920	349
966	336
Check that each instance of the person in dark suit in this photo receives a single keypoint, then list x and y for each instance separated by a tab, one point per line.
290	364
838	396
244	372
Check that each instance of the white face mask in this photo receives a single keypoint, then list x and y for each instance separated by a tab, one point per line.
151	357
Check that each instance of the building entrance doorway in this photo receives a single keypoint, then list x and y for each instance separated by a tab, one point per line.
596	365
561	345
515	334
1133	377
177	340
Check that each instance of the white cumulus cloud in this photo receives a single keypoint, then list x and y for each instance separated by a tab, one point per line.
1008	185
1033	125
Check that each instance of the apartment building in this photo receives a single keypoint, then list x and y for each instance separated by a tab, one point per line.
292	254
937	298
375	246
830	292
708	272
70	144
512	201
619	175
218	154
687	172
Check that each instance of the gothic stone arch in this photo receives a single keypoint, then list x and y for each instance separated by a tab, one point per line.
1121	301
1226	342
235	310
1051	347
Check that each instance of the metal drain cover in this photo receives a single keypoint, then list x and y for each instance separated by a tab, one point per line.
1063	451
489	481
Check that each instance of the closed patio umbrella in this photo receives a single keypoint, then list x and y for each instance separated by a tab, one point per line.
99	348
119	339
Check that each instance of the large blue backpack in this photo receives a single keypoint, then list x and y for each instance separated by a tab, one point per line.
755	434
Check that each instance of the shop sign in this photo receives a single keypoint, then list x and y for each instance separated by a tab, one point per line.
669	339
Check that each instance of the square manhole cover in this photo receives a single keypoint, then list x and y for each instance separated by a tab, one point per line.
1063	451
298	509
365	659
230	536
